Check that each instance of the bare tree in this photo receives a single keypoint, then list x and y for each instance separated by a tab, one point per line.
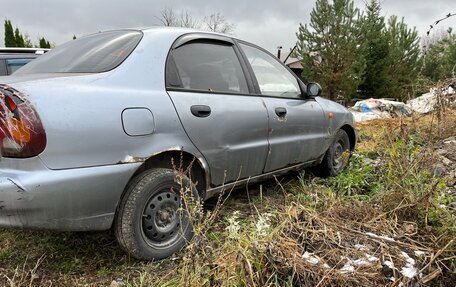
216	22
168	17
188	21
436	36
27	41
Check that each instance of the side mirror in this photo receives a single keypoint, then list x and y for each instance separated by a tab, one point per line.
313	90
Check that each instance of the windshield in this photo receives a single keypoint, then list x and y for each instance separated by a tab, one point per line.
91	54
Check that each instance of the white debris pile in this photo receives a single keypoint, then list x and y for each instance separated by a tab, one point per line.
398	264
409	270
405	266
311	258
352	265
428	102
371	109
336	248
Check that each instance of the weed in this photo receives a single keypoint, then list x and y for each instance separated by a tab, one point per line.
359	179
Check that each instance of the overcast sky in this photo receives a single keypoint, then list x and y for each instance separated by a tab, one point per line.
266	23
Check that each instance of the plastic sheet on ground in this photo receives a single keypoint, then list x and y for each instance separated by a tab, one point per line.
427	102
371	109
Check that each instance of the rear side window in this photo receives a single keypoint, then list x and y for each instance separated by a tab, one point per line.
91	54
13	64
273	78
209	67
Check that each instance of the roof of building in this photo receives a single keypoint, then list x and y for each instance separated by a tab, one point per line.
292	62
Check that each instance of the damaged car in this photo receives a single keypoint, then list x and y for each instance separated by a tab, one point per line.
114	129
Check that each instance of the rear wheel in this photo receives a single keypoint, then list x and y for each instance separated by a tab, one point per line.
151	222
336	158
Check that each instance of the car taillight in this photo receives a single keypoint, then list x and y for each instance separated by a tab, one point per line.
21	131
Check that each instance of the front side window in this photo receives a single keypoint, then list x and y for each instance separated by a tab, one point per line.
206	67
273	78
91	54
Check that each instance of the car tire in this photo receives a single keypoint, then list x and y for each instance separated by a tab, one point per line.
151	223
336	158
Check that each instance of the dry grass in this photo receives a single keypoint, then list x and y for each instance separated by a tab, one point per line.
372	134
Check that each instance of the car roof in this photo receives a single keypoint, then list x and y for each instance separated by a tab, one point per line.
182	30
177	31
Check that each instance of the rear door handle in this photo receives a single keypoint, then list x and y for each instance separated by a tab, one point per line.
281	112
200	111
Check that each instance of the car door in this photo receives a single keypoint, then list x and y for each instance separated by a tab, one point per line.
211	94
297	125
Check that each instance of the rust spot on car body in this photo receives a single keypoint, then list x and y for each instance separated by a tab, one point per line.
132	159
136	159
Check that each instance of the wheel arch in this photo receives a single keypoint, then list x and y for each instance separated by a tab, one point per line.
181	161
178	160
351	135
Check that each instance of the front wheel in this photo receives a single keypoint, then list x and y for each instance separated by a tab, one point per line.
151	222
336	158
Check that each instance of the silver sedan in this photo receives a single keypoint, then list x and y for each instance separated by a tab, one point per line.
110	130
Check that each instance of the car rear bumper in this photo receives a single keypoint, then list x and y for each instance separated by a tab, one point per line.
74	199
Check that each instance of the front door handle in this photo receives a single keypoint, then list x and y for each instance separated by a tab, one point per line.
281	112
200	111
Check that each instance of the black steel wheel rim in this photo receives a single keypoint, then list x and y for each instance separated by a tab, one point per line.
162	218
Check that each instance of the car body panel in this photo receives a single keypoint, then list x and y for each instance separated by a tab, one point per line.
296	137
341	117
233	138
32	196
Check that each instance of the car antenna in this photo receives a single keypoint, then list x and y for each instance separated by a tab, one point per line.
291	52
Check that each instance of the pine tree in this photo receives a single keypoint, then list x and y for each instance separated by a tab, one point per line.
404	61
44	43
440	59
376	80
329	48
10	40
19	39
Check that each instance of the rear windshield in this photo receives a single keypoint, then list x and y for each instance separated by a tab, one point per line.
91	54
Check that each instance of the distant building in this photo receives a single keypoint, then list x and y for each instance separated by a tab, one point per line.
293	63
